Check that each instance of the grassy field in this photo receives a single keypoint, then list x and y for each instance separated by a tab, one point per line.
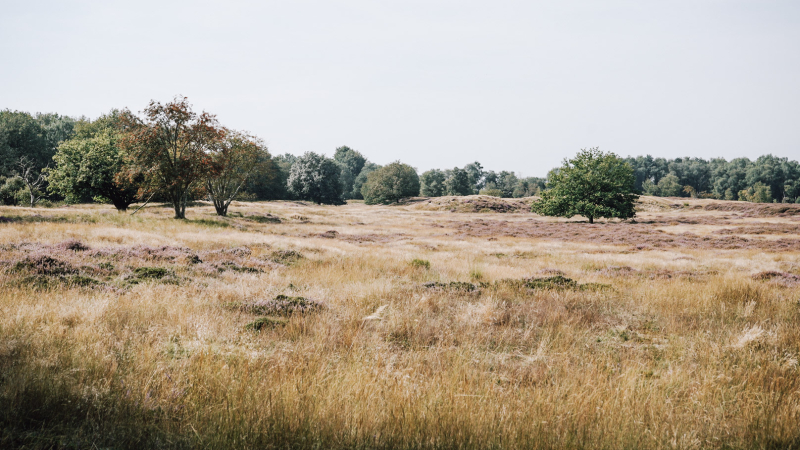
434	324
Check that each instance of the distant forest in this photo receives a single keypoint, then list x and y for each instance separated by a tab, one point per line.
29	143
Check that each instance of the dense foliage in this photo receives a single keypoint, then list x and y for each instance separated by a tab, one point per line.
316	178
90	165
390	183
775	178
172	154
593	184
234	160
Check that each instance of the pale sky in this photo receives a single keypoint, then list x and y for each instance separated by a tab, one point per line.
516	85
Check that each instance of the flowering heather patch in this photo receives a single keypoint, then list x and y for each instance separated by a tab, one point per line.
756	209
43	265
143	252
633	234
73	244
282	305
653	274
780	278
765	228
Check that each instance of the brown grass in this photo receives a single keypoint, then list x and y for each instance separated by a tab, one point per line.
192	334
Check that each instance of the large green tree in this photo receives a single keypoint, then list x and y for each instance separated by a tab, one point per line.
316	178
432	183
458	183
351	163
21	136
390	183
593	184
91	165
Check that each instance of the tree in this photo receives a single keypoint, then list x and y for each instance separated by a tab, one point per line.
351	163
432	183
358	183
593	184
475	174
458	183
233	162
171	146
316	178
669	186
34	179
757	193
390	183
21	135
91	165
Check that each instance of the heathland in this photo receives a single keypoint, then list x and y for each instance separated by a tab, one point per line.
455	322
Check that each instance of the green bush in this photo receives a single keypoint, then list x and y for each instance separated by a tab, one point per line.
491	192
390	183
421	263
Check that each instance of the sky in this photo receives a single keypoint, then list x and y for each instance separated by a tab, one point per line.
515	85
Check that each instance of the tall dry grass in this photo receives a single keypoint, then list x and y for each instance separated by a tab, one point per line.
682	349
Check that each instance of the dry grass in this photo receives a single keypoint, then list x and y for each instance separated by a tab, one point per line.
203	333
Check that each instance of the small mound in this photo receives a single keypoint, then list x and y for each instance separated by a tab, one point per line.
43	265
282	305
475	203
780	278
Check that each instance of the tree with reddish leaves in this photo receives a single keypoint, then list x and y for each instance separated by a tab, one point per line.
171	146
236	159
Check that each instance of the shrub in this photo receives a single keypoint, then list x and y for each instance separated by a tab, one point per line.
421	263
491	192
286	257
265	322
390	183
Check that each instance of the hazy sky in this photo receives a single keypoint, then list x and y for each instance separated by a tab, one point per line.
516	85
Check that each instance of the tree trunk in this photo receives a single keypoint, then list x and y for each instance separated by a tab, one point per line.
222	209
591	219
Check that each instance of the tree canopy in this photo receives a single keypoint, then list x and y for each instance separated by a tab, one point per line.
390	183
316	178
593	184
171	145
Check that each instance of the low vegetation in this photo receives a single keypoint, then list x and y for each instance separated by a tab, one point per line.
400	327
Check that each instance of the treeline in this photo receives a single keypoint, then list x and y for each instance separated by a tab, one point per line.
767	179
171	154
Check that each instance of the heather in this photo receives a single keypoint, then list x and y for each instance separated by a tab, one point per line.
399	326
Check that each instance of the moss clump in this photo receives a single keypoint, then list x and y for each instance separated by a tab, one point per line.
151	273
461	286
420	263
44	282
265	323
268	218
